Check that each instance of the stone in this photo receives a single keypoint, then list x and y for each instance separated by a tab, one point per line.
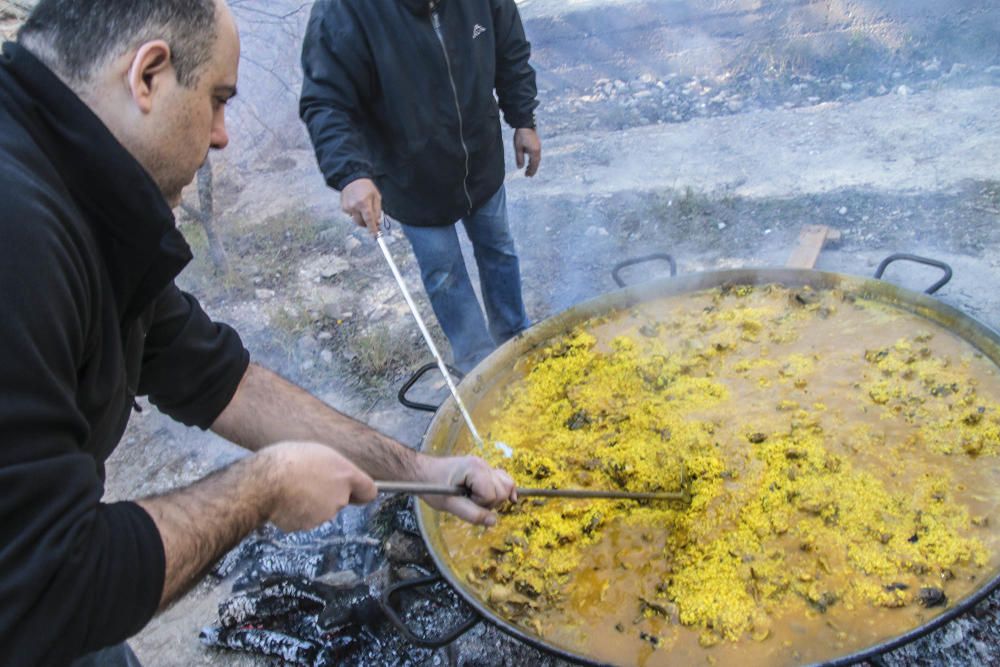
336	311
352	244
264	294
306	343
334	266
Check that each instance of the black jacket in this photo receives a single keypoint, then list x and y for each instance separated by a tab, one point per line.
382	101
91	317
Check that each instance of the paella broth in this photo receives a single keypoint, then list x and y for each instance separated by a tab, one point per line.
841	455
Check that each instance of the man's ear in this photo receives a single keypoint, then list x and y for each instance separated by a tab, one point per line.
150	65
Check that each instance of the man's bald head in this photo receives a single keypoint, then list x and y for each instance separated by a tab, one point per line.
75	38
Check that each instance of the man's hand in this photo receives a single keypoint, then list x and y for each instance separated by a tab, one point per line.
296	485
362	201
312	483
526	141
490	487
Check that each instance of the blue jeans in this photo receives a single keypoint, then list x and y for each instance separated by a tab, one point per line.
449	288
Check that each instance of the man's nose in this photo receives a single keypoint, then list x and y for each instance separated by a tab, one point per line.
220	137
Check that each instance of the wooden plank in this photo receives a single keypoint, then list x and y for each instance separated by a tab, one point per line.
812	238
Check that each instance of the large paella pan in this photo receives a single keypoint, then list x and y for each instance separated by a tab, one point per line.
841	436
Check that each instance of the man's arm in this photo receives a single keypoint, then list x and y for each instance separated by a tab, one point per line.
515	78
267	408
335	85
515	84
295	485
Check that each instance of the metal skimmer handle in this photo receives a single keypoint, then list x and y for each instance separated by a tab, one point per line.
425	489
427	337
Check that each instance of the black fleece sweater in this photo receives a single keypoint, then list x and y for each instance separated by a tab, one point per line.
90	319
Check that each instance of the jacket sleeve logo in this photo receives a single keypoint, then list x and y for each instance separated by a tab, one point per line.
477	31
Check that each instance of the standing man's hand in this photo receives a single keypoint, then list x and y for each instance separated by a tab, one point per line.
362	201
488	487
526	141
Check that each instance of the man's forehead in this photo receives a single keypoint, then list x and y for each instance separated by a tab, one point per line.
227	52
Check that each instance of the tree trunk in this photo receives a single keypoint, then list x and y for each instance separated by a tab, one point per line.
206	216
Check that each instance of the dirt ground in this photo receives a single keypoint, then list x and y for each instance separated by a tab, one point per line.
712	131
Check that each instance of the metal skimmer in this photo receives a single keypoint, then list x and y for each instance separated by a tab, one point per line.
503	447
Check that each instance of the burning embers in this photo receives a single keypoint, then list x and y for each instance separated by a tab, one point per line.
300	621
311	598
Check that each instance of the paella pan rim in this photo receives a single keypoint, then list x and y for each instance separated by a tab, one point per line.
982	337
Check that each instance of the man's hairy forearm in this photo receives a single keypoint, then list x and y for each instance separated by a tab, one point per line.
201	522
267	409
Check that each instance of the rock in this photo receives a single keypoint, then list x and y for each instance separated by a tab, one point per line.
352	244
334	266
324	336
336	311
721	226
341	579
306	344
307	365
264	294
842	210
326	356
903	90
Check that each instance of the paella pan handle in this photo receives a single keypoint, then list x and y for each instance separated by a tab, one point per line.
920	260
396	618
408	385
616	272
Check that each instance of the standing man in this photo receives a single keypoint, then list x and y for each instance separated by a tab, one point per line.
106	111
398	97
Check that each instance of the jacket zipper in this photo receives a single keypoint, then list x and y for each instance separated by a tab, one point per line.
436	22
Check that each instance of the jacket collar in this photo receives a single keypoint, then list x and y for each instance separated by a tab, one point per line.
141	246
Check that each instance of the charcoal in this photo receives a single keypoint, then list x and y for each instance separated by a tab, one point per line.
354	606
248	550
321	532
285	563
274	600
265	642
336	650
